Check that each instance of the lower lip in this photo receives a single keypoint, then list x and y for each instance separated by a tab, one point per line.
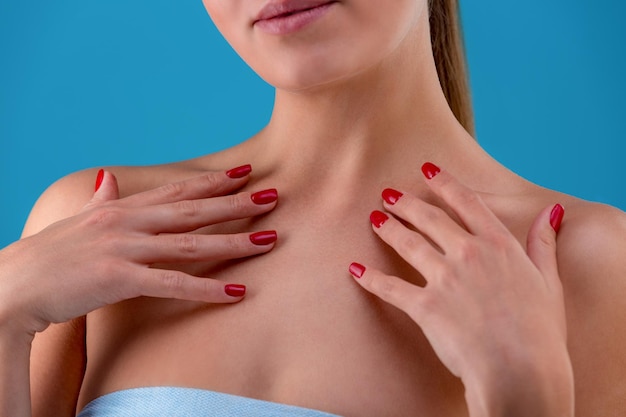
293	23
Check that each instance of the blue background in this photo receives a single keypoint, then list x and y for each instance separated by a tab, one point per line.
85	84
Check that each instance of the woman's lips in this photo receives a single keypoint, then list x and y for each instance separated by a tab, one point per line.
291	16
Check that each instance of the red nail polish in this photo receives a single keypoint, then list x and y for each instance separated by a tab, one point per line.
99	179
235	290
391	196
265	196
430	170
357	270
264	238
239	172
556	215
378	218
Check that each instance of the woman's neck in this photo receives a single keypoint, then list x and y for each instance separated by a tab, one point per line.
378	125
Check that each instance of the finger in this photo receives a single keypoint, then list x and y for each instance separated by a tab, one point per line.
541	241
208	185
429	220
189	247
393	290
410	245
188	215
163	283
466	203
106	189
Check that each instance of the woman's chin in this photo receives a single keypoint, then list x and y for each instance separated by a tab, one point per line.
310	81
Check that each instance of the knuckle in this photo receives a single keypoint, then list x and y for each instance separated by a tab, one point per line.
234	243
108	269
187	243
445	274
188	208
467	198
106	216
117	244
468	250
209	289
502	244
383	286
500	239
173	190
411	248
432	214
112	277
211	182
172	281
238	203
409	243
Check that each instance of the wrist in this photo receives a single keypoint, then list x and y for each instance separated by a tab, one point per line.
16	293
526	384
13	332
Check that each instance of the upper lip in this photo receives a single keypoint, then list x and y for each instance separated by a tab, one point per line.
276	8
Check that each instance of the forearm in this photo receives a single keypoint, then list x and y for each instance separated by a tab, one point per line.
14	373
16	338
57	366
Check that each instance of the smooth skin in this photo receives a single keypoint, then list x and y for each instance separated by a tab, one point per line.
358	109
107	253
537	376
479	283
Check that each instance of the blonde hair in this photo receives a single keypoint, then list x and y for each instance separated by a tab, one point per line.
449	51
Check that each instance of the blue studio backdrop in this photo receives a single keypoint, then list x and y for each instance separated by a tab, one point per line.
86	84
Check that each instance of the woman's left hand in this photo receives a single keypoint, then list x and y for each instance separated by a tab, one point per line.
492	311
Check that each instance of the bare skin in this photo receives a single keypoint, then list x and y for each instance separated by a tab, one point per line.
306	334
326	323
108	252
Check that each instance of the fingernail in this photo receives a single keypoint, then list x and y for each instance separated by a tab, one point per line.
556	216
239	172
264	238
430	170
391	196
235	290
99	179
265	196
357	270
378	218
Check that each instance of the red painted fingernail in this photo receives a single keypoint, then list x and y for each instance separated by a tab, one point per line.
378	218
357	270
556	215
99	179
235	290
265	196
239	172
264	238
391	196
430	170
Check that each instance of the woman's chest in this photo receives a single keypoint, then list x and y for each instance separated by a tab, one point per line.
305	334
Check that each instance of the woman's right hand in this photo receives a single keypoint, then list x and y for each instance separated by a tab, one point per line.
104	254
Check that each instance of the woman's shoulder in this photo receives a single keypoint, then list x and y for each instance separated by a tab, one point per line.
592	240
592	237
591	250
591	253
67	195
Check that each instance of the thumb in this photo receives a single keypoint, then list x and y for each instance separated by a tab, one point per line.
106	189
541	241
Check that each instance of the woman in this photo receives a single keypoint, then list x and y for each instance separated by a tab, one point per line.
359	109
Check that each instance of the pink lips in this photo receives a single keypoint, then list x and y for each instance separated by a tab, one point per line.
283	17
